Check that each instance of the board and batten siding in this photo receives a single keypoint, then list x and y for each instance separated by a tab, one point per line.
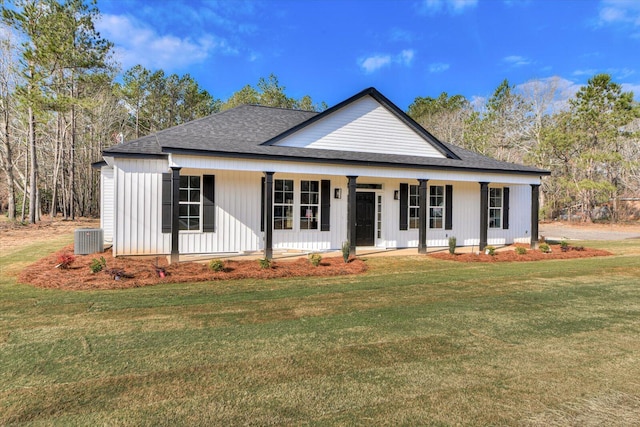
237	215
138	230
368	127
466	219
519	218
106	203
315	240
137	208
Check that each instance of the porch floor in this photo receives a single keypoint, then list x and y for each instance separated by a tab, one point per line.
369	252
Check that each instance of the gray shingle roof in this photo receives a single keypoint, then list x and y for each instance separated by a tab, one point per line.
248	130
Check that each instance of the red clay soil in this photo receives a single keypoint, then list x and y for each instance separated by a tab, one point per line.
141	271
531	255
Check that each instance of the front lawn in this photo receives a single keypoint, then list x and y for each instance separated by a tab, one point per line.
413	341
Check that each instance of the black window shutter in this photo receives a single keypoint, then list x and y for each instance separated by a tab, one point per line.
166	202
208	203
262	205
448	207
325	205
404	206
505	208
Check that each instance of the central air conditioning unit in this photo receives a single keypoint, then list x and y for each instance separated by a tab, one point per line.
88	241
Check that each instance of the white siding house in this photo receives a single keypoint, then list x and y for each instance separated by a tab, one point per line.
257	179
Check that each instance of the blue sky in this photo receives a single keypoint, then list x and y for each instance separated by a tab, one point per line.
332	49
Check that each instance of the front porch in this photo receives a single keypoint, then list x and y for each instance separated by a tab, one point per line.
364	252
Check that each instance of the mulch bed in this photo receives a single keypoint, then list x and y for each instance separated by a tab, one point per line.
531	255
141	271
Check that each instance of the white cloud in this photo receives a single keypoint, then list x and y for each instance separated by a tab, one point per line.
620	11
617	73
136	43
516	61
438	67
623	15
454	7
376	62
585	72
406	57
628	87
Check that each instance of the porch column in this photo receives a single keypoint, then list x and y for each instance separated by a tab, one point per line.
422	216
484	214
351	214
267	215
535	207
175	214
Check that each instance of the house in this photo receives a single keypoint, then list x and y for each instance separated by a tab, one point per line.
258	178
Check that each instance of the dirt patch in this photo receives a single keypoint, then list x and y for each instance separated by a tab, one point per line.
15	235
134	272
530	255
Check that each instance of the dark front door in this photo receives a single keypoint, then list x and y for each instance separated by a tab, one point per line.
365	218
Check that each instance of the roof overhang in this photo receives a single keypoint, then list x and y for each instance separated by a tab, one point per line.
338	161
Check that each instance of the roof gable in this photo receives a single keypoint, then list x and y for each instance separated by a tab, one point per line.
254	132
371	124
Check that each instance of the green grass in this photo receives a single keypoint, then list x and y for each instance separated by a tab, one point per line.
413	341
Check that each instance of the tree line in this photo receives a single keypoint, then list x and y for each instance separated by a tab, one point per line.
62	103
590	142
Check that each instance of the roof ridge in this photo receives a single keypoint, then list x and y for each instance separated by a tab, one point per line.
273	108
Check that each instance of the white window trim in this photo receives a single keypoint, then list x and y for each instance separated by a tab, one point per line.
497	208
414	225
442	207
199	229
284	204
317	205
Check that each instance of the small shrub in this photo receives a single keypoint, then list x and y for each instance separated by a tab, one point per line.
315	259
452	245
564	244
345	251
520	250
490	250
216	265
97	265
578	248
65	260
544	248
264	263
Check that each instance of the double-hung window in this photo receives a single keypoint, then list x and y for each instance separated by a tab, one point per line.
283	204
414	206
495	207
190	202
309	204
436	206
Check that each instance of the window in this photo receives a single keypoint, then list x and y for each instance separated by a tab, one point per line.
283	204
189	208
495	207
309	201
414	206
436	206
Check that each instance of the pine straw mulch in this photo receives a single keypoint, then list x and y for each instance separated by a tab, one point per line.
141	271
531	255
